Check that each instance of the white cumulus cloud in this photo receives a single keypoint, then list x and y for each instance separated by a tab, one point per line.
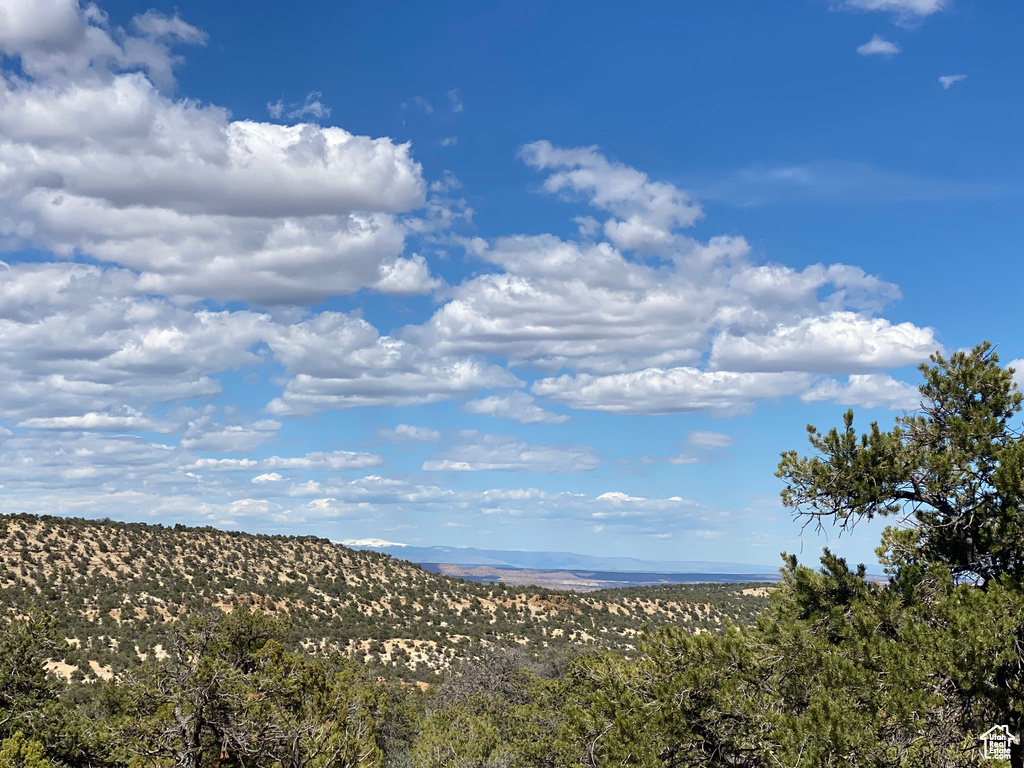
587	307
317	461
77	340
340	361
407	433
477	452
618	497
874	390
840	341
879	46
645	213
515	405
590	308
204	435
673	390
96	422
97	158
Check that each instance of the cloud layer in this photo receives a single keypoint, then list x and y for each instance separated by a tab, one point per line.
170	339
97	158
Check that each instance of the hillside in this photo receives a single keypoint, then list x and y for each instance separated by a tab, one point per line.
116	590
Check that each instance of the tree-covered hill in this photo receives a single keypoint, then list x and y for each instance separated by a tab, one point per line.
115	590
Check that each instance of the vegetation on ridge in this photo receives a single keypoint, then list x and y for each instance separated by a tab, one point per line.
117	589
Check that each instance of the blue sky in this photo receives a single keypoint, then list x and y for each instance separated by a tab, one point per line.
508	275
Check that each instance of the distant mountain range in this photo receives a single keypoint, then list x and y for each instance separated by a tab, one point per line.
550	560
